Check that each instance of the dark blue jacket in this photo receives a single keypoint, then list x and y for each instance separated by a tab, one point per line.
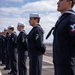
35	41
21	42
64	40
12	42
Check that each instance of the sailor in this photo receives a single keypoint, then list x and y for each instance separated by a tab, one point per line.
36	47
12	47
22	49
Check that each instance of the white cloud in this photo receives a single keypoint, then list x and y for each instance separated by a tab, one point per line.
46	8
40	6
14	0
11	11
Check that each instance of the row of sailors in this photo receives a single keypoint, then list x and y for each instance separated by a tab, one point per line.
10	45
13	48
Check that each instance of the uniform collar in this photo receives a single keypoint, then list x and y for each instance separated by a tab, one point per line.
36	25
22	31
70	11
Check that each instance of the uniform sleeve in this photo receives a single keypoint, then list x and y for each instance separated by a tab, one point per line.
14	39
72	25
72	40
72	30
24	40
38	36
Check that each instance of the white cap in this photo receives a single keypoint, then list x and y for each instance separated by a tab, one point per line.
10	26
34	15
5	29
20	24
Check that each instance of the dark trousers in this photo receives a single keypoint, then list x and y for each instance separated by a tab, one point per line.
64	70
0	54
13	60
3	56
35	64
22	63
7	60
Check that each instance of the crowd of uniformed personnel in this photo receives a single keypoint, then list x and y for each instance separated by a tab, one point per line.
14	48
8	49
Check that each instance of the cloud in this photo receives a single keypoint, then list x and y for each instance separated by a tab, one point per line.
46	8
42	7
39	6
10	12
11	3
14	0
13	15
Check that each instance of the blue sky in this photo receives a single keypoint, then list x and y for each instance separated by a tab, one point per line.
14	11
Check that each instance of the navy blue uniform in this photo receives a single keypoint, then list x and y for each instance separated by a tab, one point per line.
35	51
12	47
0	47
64	44
7	51
22	50
3	50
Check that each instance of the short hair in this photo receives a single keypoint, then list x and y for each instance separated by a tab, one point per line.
72	2
38	18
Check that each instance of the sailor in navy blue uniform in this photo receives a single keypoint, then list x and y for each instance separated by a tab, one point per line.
3	48
12	47
22	49
64	40
6	51
0	45
36	48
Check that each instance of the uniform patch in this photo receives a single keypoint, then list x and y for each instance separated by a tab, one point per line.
23	39
37	36
72	28
12	39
